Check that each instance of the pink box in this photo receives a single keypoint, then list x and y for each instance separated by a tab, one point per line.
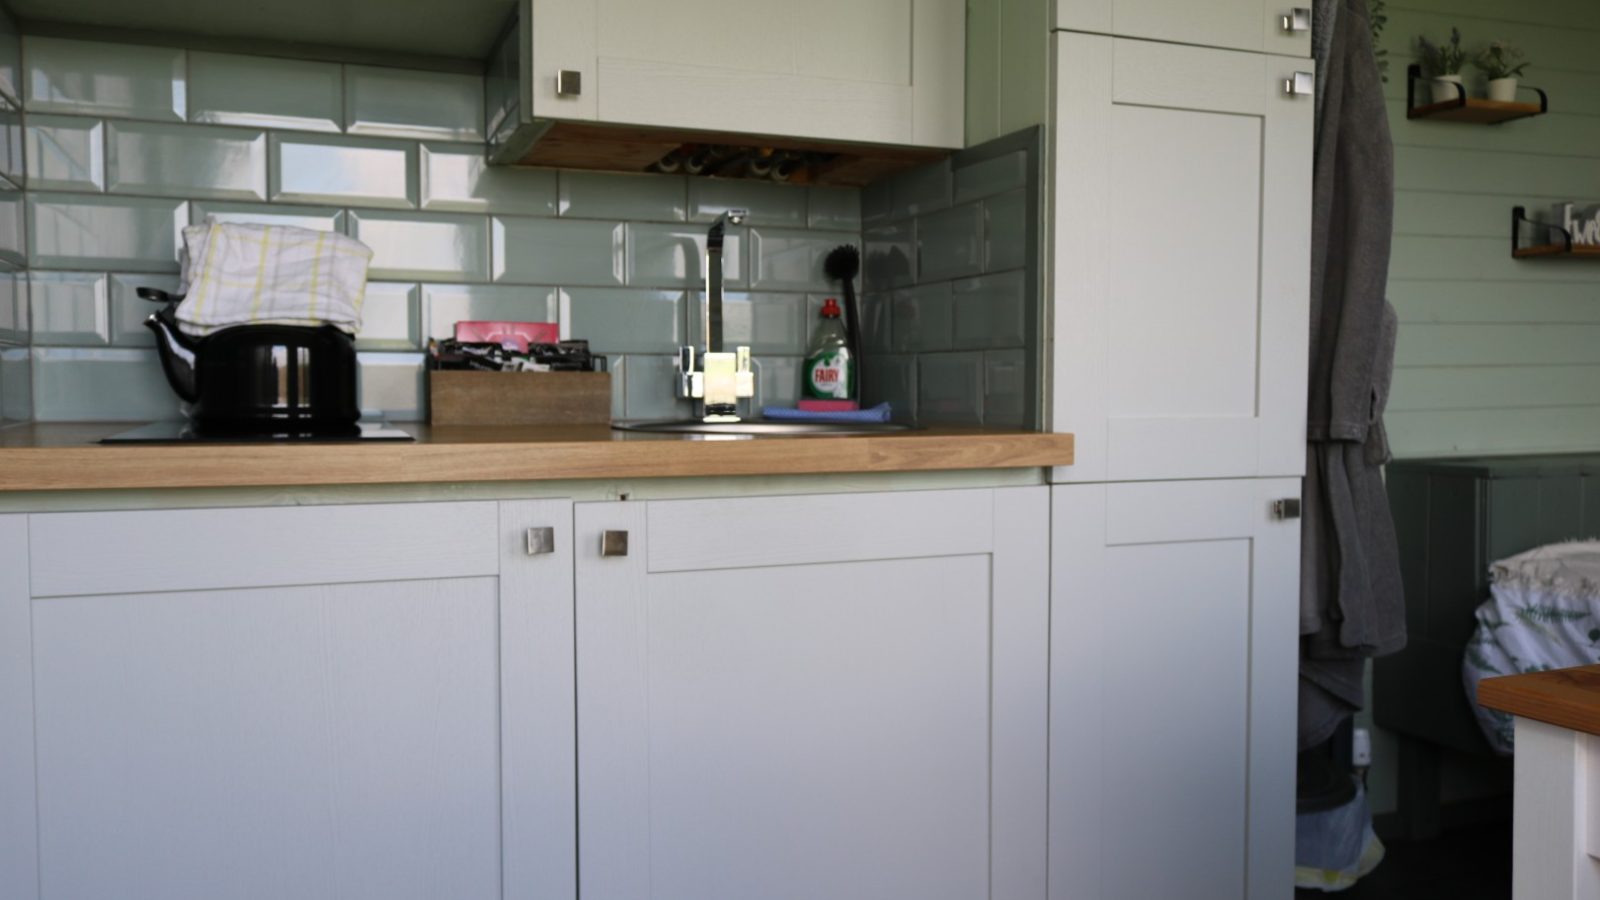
511	335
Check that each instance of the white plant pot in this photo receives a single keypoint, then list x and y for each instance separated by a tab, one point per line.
1447	88
1503	90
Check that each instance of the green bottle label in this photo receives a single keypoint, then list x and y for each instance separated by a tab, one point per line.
830	376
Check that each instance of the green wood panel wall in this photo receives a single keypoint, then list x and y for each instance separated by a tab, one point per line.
1495	355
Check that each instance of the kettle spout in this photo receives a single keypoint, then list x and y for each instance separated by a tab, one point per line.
177	354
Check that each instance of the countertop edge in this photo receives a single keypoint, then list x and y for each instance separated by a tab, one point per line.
88	466
1569	698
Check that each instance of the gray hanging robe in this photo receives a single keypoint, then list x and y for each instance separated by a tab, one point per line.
1351	604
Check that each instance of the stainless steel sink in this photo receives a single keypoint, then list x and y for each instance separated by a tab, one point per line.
761	426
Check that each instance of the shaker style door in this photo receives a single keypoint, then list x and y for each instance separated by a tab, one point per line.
1263	26
888	71
1174	654
834	696
1181	260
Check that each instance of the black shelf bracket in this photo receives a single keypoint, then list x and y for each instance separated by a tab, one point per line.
1519	217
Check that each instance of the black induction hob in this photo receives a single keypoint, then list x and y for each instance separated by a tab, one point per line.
178	432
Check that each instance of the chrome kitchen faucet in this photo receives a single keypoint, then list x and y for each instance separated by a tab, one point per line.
719	380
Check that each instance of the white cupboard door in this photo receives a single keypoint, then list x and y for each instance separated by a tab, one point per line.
890	71
1256	25
1181	260
19	842
1174	610
835	696
311	702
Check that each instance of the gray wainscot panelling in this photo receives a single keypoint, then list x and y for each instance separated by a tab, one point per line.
113	385
186	160
558	252
407	103
66	153
457	178
392	386
95	78
446	304
391	317
424	246
228	89
70	309
343	170
83	231
625	320
129	310
647	198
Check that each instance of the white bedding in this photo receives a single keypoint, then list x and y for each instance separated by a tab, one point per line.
1543	613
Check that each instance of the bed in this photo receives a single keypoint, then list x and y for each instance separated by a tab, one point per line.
1453	518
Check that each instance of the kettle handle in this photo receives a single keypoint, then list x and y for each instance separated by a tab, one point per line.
156	295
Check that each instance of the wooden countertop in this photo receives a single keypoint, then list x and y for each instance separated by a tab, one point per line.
58	457
1569	698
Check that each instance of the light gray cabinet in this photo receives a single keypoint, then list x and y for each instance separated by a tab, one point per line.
344	701
1263	26
822	696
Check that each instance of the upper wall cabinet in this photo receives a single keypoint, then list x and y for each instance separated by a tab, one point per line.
886	72
1182	247
1265	26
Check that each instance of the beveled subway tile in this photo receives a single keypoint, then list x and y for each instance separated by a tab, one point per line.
837	208
888	257
95	78
392	386
674	256
407	103
548	251
991	311
343	170
877	203
316	218
648	389
13	163
424	246
88	231
992	176
780	205
69	309
16	384
267	92
66	153
950	243
129	310
921	191
636	197
1005	388
1006	232
391	317
80	384
186	160
876	310
457	178
891	380
767	323
10	59
791	260
950	388
446	304
922	318
13	306
624	320
777	380
13	217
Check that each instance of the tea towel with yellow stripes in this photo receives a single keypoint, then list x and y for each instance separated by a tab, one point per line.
237	274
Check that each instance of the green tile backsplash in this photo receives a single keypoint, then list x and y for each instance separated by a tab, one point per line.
125	145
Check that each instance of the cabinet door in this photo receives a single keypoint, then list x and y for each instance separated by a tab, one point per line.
890	71
1174	611
1182	260
1236	24
832	696
351	702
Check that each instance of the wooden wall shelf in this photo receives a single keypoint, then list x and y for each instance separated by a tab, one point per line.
1560	248
1470	110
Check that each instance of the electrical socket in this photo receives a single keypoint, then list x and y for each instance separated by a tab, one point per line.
1361	748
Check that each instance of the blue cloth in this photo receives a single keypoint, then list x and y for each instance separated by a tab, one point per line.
879	413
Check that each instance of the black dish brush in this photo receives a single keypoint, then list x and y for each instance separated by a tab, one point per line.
843	264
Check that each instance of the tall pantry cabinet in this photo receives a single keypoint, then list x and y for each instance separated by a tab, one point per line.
1181	143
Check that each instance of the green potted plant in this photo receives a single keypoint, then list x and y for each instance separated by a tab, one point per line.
1442	62
1502	64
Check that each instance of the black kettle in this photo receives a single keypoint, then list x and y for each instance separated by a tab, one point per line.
259	379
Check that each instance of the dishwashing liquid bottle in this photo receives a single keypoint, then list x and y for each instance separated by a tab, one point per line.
830	371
